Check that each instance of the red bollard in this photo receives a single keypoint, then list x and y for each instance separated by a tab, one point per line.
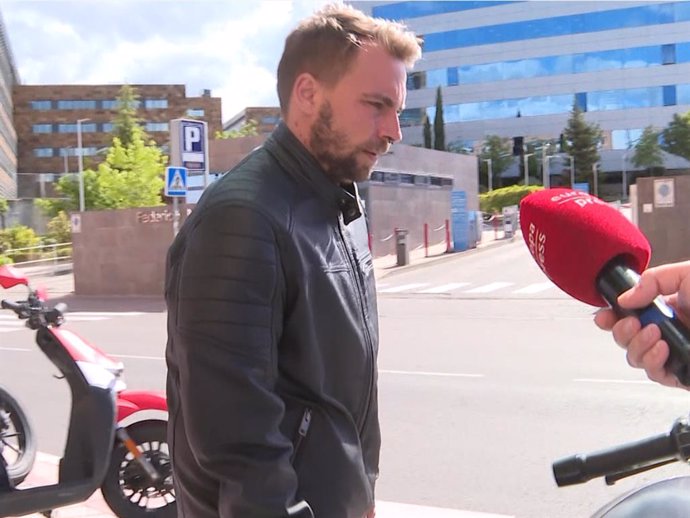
449	247
426	240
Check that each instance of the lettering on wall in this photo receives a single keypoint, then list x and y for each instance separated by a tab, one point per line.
146	217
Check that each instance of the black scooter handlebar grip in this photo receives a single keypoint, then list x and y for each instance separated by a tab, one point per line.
8	304
582	467
300	510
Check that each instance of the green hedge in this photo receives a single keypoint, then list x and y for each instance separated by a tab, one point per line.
505	196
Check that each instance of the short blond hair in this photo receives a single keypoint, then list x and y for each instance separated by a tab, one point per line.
325	45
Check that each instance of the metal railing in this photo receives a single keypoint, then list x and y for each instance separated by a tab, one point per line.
52	254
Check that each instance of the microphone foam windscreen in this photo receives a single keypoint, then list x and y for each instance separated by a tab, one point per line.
572	235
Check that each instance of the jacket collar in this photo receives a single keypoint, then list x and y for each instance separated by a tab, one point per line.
292	155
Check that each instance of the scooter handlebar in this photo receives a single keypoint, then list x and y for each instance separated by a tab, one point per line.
627	459
17	307
582	467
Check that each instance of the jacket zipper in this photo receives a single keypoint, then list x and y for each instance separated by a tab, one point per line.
370	348
302	431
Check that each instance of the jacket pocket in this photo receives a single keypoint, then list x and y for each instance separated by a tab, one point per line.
300	435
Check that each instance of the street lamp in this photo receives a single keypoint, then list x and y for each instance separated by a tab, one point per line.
624	173
527	155
81	165
489	173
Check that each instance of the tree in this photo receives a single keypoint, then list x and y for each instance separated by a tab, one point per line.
582	144
498	150
249	129
130	176
439	129
126	119
676	136
647	150
4	209
427	132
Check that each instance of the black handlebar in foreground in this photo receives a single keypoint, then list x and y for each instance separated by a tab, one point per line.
627	459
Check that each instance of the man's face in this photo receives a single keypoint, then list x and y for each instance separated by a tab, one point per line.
358	117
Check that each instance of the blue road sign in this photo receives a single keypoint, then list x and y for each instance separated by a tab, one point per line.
175	181
460	220
193	140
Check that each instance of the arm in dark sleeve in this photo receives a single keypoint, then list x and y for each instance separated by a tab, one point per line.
229	318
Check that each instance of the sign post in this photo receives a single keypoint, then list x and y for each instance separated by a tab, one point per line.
189	149
175	187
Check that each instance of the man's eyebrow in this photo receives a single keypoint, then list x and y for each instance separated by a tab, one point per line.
385	100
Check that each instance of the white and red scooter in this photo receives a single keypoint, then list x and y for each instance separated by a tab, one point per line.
137	482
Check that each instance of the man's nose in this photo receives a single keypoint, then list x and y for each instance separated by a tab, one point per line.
390	128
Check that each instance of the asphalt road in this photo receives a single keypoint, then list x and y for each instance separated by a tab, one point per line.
487	375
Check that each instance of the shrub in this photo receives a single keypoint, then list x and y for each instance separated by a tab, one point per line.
505	196
59	229
5	260
18	236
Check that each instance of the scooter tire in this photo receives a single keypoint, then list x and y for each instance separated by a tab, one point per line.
125	477
18	468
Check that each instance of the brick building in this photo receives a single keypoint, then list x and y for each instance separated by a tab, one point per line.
45	119
265	117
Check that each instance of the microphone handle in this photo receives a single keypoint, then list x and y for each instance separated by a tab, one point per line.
614	279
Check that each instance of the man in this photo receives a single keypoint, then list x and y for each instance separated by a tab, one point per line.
644	346
272	320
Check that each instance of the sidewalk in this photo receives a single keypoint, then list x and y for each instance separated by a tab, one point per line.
45	469
387	265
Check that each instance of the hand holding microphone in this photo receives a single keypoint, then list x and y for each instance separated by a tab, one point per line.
645	346
592	252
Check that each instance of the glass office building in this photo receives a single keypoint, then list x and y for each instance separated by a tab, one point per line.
8	136
516	68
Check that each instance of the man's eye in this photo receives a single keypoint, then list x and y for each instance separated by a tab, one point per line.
376	104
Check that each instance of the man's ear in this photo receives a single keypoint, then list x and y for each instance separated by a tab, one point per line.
306	94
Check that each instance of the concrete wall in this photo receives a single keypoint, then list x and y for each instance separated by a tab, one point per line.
666	227
406	207
122	252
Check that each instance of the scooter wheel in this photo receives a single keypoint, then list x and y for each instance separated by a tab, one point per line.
17	442
127	490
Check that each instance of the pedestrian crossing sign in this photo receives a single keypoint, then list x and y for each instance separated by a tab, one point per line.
176	181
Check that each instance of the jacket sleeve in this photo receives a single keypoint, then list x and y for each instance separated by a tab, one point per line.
229	319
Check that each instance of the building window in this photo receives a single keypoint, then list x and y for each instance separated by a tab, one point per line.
625	139
43	152
110	104
581	101
41	105
669	93
376	176
76	104
155	103
42	128
453	76
668	54
107	127
195	112
157	126
683	94
72	128
269	119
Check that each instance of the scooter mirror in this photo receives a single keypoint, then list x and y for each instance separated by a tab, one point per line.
10	277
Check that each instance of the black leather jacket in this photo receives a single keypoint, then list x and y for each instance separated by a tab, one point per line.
272	344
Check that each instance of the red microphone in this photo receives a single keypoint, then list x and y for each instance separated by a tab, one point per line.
594	253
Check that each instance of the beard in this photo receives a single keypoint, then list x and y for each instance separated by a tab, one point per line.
340	159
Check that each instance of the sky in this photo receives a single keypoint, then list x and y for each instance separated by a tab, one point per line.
231	47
